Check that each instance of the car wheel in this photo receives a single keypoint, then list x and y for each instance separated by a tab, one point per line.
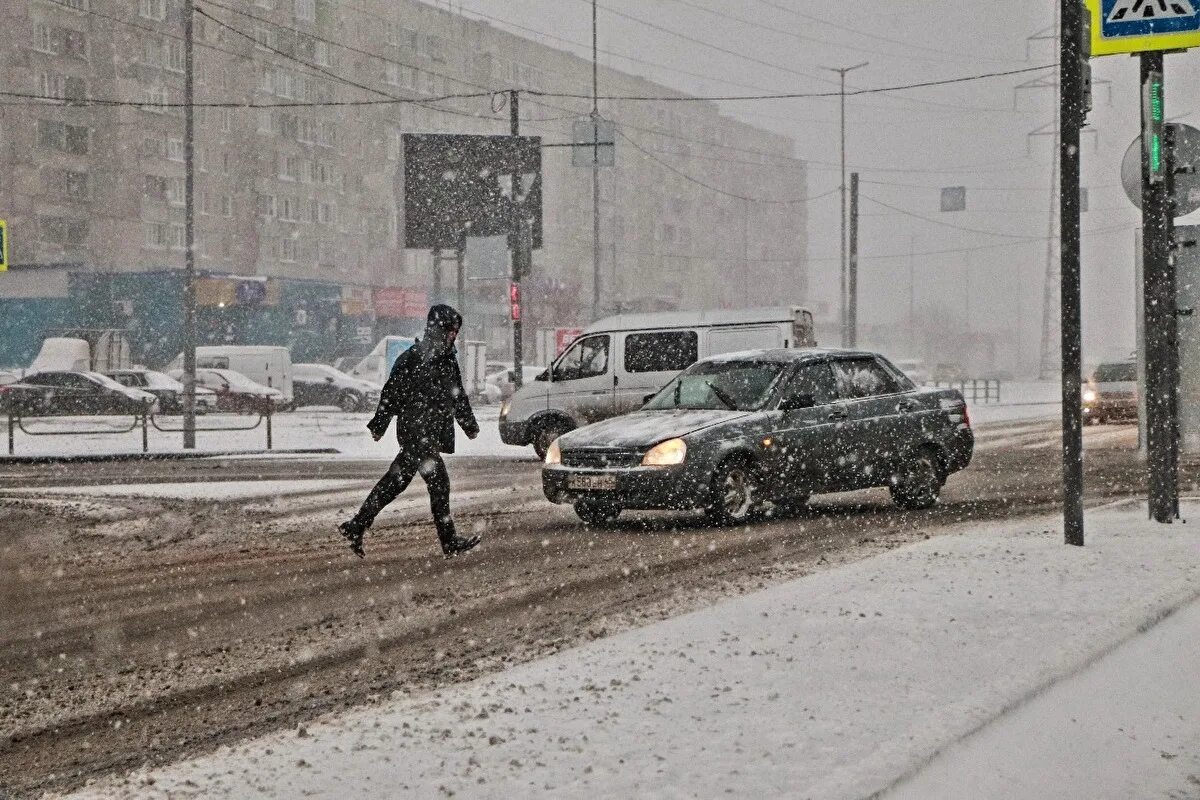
734	493
349	402
545	437
918	483
597	514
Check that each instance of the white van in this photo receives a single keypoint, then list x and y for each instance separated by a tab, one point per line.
376	366
269	365
616	362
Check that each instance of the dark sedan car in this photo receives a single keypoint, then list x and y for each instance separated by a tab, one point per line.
736	434
54	393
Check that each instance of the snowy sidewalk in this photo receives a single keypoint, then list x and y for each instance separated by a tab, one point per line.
836	685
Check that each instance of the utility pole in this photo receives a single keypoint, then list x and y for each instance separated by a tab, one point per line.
912	296
519	254
1158	293
189	229
842	309
595	170
852	271
1072	115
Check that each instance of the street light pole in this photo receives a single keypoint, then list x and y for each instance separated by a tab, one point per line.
595	170
189	230
842	311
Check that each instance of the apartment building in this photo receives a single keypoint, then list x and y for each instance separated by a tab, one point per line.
302	105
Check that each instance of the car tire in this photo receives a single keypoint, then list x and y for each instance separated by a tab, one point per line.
597	514
733	498
918	484
349	402
545	436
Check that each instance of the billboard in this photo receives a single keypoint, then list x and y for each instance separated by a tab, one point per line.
458	185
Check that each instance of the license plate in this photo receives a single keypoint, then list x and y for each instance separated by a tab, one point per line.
592	483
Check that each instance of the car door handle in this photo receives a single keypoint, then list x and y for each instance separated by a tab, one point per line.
838	413
906	405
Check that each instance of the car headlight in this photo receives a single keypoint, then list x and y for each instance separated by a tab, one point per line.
554	453
666	454
1089	396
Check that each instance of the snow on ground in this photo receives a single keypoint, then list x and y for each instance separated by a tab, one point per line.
199	490
1128	726
308	428
836	685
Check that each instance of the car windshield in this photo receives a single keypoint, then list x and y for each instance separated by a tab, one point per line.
720	385
1111	373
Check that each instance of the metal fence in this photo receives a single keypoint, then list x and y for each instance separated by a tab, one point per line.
17	422
974	390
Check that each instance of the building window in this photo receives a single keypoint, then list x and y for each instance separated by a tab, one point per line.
162	235
306	10
68	138
321	54
77	138
175	56
156	100
226	206
226	163
391	74
290	210
265	37
288	249
264	121
154	187
394	144
71	232
175	149
267	4
78	5
53	85
152	51
43	38
327	213
153	9
265	206
204	204
75	88
176	191
75	185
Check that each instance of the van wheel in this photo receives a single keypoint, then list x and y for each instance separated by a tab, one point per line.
545	437
918	483
597	514
349	402
734	493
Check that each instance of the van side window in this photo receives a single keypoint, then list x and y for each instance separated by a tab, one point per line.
586	359
666	351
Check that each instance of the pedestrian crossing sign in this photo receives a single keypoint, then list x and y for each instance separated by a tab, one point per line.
1138	26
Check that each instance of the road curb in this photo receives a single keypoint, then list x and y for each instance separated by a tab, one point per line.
181	456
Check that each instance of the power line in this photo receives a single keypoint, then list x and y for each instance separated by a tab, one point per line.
955	250
646	153
865	34
800	95
933	221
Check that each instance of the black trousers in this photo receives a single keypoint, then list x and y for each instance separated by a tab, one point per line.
410	461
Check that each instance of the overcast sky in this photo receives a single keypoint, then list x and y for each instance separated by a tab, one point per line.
906	144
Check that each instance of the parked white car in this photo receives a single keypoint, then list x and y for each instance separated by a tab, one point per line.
235	392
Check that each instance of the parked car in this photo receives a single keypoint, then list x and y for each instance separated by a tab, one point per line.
616	361
501	384
9	376
914	368
265	365
236	392
168	390
322	385
736	434
1111	393
55	392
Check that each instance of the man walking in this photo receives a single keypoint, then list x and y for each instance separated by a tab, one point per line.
425	394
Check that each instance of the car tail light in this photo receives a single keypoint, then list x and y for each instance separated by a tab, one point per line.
966	415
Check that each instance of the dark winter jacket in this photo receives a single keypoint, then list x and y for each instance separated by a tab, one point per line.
425	394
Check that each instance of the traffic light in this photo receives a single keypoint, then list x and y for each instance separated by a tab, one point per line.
1153	136
514	300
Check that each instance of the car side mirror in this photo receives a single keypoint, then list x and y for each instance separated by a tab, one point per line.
328	379
544	375
649	397
797	402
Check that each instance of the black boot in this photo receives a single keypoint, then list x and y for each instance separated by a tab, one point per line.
452	543
354	534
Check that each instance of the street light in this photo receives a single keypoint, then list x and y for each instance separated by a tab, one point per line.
841	71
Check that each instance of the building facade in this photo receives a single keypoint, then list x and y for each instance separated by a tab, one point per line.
302	105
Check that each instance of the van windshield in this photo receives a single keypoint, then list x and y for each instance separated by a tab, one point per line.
1116	372
720	385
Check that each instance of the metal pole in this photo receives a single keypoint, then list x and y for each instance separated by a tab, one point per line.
189	232
745	253
518	256
596	282
460	289
852	267
1158	294
437	275
1071	118
912	291
842	300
